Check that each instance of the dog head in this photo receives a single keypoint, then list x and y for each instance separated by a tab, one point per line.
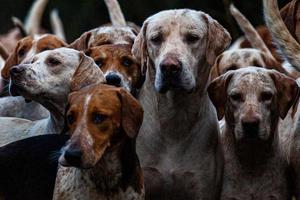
252	100
119	66
105	35
49	75
236	59
99	117
28	47
177	43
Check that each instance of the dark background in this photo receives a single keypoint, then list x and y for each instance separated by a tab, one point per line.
81	15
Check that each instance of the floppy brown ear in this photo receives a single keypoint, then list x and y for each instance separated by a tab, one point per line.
217	91
218	39
271	63
287	92
11	61
82	43
132	113
87	73
139	48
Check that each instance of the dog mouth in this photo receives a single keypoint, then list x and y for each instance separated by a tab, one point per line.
171	83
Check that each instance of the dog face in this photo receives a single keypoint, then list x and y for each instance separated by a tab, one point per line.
118	64
99	117
252	100
27	48
236	59
176	42
104	35
49	74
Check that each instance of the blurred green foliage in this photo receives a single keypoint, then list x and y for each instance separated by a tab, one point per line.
81	15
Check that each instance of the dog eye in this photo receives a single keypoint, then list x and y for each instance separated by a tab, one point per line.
99	62
98	118
70	119
192	38
157	39
21	52
236	97
53	61
127	62
266	96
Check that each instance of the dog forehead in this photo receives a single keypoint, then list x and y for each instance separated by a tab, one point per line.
185	18
65	54
251	79
99	96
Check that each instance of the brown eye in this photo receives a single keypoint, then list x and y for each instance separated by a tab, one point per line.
236	97
98	118
21	52
266	96
70	119
127	62
192	38
99	62
53	61
157	39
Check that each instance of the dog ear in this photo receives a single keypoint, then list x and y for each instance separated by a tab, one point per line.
217	91
87	73
11	61
215	70
132	113
139	48
82	43
218	39
287	92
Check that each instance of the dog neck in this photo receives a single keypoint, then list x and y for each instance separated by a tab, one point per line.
117	169
56	109
251	154
176	107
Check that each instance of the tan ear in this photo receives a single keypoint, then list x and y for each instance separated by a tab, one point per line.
289	16
11	61
271	63
218	39
139	48
82	43
217	91
215	70
132	113
87	73
287	92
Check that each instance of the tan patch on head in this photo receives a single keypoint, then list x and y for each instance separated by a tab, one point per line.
118	58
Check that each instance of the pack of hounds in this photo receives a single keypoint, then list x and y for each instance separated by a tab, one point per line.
171	110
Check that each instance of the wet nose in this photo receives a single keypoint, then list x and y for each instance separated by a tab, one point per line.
171	65
17	70
73	157
251	126
113	79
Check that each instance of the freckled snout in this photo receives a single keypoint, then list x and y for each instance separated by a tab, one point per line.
170	66
17	70
250	125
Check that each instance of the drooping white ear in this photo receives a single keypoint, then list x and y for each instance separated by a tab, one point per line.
87	73
139	48
218	38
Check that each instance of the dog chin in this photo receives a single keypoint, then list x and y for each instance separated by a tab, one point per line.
165	87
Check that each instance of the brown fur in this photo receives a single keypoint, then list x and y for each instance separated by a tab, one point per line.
109	142
19	54
112	58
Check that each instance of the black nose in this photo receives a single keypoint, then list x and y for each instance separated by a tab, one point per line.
171	66
73	157
16	70
113	79
251	127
